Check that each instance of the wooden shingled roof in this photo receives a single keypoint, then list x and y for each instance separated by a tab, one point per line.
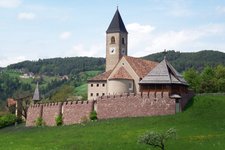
163	73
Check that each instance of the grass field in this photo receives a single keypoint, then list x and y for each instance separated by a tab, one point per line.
200	127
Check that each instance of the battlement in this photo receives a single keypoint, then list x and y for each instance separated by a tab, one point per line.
152	95
35	106
111	106
76	102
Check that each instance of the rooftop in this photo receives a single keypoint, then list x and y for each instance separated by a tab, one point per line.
163	73
117	24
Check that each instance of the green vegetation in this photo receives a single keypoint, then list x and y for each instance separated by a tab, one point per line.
183	61
201	126
39	122
93	115
209	80
7	119
157	139
60	66
59	120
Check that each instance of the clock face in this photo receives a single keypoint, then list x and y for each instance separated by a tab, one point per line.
112	50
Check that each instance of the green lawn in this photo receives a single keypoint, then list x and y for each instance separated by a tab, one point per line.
200	127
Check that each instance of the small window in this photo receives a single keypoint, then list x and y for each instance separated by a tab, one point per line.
97	94
123	64
91	94
113	41
103	94
97	85
130	86
103	85
91	85
123	41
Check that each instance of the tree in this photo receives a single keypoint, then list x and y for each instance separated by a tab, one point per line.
157	139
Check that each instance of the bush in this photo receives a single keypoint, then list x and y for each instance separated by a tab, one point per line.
39	122
8	119
93	115
157	139
59	120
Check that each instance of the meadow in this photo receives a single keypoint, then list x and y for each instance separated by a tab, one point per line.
201	126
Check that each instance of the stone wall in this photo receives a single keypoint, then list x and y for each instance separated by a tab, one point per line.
33	112
147	104
115	106
77	111
72	112
50	112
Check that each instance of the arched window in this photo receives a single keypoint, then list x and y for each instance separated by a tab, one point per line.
113	41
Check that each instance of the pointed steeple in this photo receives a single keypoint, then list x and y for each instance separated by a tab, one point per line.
117	24
36	96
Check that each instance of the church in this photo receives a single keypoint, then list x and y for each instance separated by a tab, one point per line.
125	74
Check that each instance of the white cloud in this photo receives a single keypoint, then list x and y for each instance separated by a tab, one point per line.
144	43
9	3
65	35
26	16
138	35
94	50
221	9
5	61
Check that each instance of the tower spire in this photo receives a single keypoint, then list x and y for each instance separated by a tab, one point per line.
117	24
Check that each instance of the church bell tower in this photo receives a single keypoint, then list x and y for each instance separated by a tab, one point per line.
116	41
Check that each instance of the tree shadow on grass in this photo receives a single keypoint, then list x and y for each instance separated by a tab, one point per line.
189	104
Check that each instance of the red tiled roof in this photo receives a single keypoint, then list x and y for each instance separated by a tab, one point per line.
101	77
121	74
11	102
141	66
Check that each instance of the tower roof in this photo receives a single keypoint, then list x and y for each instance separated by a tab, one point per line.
36	95
116	24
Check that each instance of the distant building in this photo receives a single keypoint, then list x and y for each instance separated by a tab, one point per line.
27	75
125	74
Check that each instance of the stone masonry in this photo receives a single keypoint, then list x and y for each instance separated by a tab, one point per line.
114	106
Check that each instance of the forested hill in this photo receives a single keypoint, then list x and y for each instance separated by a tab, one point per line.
182	61
73	65
60	66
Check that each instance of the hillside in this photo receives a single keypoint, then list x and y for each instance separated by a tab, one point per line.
182	61
60	66
73	65
199	127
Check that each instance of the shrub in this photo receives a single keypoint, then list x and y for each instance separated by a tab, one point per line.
59	120
8	119
157	139
39	122
93	115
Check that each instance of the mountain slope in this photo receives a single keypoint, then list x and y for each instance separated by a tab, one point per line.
183	60
60	66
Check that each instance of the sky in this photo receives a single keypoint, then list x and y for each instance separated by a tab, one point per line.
32	30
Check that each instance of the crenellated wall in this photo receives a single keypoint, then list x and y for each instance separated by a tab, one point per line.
33	112
114	106
50	112
75	112
146	104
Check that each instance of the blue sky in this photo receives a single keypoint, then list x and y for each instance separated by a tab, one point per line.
31	29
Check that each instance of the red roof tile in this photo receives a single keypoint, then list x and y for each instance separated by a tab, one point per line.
101	77
141	66
121	74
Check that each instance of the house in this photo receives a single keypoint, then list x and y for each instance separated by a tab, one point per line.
126	74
